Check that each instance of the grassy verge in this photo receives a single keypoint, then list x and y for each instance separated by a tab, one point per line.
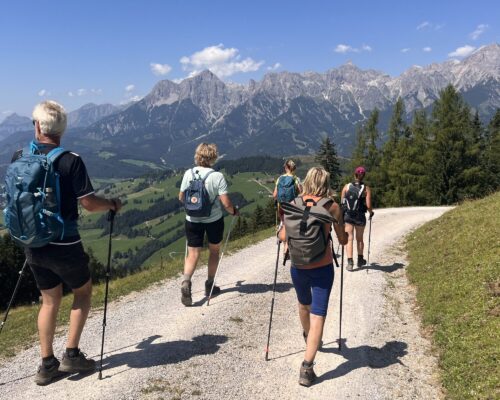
20	329
455	263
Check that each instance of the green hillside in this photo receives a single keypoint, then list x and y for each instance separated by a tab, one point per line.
142	194
455	263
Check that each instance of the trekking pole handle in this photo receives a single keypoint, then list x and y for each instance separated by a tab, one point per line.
112	213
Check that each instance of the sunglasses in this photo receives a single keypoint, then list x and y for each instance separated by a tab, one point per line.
33	121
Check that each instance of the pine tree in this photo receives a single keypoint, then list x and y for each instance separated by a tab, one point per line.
451	123
359	153
418	160
491	159
394	155
326	156
372	163
475	177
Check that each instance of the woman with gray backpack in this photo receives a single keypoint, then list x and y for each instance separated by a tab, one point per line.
307	225
203	192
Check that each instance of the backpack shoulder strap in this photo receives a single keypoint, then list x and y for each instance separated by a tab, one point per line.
323	202
206	176
54	154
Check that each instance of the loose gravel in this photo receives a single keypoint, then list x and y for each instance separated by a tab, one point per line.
158	349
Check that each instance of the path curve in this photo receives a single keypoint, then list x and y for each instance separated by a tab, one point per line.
156	348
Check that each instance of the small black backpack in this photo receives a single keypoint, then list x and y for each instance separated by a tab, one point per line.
353	199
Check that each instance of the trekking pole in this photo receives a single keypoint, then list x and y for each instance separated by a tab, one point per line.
220	259
111	218
21	273
369	242
341	293
272	301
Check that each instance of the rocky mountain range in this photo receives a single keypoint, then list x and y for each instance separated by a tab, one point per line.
284	113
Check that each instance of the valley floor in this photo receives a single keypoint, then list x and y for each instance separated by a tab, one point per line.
156	348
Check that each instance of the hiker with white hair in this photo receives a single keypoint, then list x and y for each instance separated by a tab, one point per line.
49	233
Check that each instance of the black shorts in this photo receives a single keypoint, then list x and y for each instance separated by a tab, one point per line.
195	232
355	218
52	265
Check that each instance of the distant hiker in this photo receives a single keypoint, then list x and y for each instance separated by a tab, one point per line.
62	260
287	188
203	192
356	201
312	258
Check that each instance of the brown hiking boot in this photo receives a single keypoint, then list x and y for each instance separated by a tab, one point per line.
186	298
80	363
45	375
307	376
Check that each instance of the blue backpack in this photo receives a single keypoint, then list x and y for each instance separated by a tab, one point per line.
33	215
286	189
196	198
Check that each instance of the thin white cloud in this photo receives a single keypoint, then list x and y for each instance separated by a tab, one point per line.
160	69
463	51
6	112
405	50
223	62
424	25
84	92
43	93
129	88
481	28
345	48
427	49
274	67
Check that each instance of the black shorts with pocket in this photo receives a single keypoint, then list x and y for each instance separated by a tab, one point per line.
195	232
53	264
357	218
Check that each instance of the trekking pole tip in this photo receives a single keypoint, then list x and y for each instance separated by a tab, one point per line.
100	375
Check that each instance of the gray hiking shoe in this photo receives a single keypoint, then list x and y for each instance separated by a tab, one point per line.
350	264
80	363
46	375
306	376
186	298
361	262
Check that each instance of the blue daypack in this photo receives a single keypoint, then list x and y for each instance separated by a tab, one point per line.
286	189
196	198
33	211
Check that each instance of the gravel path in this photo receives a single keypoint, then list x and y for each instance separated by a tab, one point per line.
156	348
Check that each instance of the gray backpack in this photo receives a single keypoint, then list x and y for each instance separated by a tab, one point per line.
305	229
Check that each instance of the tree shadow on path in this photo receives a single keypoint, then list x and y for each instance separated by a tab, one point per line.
382	268
365	356
151	354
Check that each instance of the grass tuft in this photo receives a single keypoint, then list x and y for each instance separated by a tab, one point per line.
455	264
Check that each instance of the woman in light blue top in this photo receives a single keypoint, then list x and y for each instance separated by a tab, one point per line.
213	224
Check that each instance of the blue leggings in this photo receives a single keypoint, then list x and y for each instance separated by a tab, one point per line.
313	287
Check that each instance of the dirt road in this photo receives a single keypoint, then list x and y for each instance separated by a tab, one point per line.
156	348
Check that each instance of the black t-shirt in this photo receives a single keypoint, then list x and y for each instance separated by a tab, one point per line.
74	180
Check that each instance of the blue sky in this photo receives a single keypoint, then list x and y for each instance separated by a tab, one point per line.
112	51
